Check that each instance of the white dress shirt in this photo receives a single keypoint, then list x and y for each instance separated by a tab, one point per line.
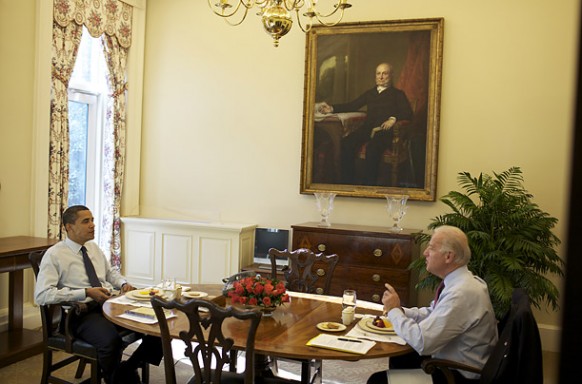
462	327
62	275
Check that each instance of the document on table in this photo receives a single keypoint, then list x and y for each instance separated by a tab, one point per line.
341	343
145	315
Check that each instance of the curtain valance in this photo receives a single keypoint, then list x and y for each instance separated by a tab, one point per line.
112	17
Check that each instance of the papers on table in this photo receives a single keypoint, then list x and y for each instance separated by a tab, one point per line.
341	343
144	315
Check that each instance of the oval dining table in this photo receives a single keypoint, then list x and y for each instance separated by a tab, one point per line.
282	334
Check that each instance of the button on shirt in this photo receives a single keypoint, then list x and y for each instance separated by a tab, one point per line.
462	327
62	275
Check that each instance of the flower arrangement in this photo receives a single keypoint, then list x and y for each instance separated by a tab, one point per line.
258	291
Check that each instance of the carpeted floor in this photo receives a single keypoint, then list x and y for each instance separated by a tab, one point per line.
334	372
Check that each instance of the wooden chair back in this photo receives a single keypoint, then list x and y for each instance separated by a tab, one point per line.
206	345
305	269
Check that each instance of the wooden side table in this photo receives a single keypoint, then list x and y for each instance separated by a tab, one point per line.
18	343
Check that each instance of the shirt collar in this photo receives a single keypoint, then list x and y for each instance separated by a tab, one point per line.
381	88
452	276
74	246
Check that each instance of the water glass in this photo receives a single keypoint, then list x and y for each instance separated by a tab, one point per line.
349	299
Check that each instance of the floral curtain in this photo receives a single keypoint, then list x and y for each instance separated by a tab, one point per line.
66	42
111	19
114	153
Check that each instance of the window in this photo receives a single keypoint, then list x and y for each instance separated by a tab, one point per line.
87	92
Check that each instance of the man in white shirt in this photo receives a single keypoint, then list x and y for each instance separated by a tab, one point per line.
64	276
459	324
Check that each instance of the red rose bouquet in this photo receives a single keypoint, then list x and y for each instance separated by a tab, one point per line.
258	291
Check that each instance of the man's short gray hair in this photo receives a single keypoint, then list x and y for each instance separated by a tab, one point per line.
456	241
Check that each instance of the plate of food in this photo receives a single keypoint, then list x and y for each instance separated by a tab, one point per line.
330	326
194	294
143	294
376	325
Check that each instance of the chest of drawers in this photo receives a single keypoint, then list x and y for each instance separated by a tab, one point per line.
368	257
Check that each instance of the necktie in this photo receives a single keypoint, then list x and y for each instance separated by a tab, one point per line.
438	292
93	279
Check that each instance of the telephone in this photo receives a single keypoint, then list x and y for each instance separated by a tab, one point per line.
229	281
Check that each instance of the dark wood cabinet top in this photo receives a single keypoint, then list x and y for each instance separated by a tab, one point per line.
353	229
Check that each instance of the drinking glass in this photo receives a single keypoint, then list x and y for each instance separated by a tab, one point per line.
169	288
349	299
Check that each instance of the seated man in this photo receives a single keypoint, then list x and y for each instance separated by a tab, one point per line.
458	325
76	269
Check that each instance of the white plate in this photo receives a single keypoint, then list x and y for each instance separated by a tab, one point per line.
337	327
194	294
139	294
367	325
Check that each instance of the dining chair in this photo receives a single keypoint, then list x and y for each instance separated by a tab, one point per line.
207	347
517	356
306	272
58	337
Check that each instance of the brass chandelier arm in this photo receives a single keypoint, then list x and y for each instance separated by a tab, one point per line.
275	14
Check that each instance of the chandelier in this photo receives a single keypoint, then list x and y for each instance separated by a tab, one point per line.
276	14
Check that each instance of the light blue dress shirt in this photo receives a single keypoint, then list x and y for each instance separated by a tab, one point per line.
462	327
62	275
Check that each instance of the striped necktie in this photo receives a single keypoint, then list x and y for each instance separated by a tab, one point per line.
93	279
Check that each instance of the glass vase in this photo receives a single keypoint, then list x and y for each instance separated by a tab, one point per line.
324	202
396	207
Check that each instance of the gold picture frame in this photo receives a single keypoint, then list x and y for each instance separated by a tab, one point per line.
342	65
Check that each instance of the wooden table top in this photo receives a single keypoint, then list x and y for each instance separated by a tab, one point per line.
283	334
9	246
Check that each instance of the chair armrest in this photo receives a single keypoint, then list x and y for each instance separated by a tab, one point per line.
430	365
75	309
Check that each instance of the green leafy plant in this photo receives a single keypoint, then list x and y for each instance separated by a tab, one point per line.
511	239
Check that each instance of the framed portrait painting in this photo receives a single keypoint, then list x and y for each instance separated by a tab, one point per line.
371	109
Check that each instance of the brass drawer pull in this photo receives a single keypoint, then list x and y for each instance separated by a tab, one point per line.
319	291
321	247
376	277
377	252
376	297
320	272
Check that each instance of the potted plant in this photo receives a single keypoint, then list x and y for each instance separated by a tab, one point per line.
511	239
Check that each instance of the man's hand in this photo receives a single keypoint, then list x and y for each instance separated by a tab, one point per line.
99	294
126	288
390	299
388	123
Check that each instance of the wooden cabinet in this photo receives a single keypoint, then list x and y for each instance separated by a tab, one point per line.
368	258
